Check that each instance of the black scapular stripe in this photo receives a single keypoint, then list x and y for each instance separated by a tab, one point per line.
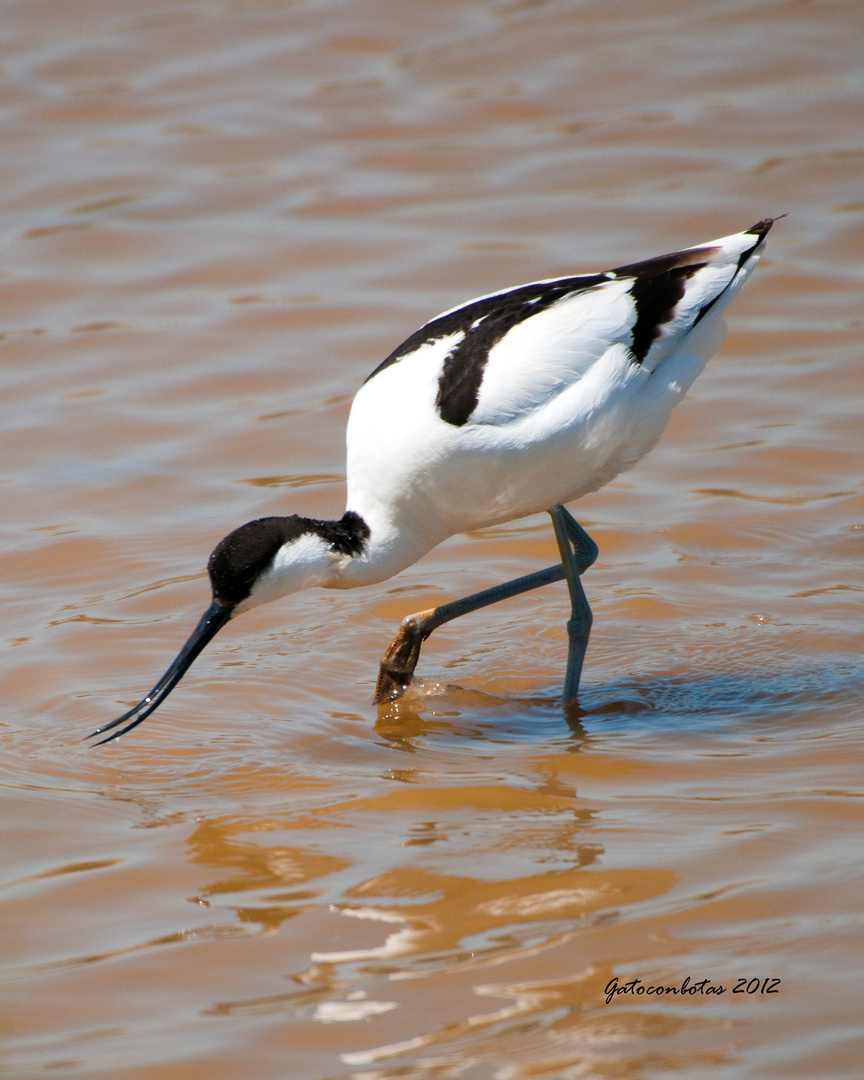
483	323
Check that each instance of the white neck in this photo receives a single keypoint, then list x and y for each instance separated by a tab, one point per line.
312	558
392	546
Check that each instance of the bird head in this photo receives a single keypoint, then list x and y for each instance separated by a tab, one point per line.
259	562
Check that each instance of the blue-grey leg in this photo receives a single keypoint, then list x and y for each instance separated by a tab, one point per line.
398	663
578	552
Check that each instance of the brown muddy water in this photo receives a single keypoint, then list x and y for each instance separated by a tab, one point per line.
217	218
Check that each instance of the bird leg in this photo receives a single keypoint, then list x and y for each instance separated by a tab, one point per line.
398	663
578	552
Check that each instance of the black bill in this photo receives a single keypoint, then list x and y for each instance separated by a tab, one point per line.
212	621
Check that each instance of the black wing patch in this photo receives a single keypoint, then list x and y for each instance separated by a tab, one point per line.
483	323
658	288
656	299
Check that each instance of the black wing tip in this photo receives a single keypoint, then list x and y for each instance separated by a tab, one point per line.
762	228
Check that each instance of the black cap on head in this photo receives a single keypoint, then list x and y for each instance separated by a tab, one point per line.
242	556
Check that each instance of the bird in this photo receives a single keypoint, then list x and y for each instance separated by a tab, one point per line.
511	404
